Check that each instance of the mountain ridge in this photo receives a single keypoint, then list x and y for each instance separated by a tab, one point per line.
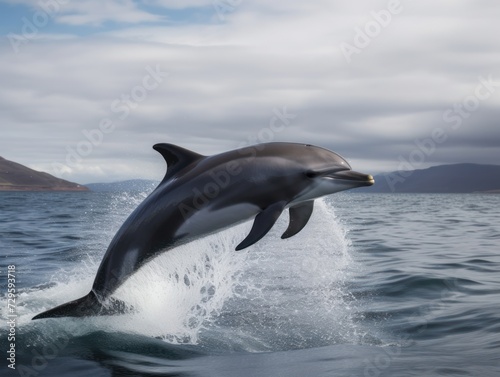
451	178
142	185
17	177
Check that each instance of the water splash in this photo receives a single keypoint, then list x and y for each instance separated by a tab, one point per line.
293	293
275	295
178	293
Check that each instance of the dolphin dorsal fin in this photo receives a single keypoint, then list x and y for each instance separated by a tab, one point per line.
177	158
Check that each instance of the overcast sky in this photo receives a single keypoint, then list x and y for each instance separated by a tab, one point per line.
87	87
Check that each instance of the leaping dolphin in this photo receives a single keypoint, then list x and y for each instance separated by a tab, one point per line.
200	195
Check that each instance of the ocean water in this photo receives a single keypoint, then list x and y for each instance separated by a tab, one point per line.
375	285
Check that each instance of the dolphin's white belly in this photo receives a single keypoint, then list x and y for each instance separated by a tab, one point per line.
207	220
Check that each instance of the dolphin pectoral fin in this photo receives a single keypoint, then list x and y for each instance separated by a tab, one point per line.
299	216
264	221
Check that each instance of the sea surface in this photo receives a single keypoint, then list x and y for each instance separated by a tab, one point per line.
375	285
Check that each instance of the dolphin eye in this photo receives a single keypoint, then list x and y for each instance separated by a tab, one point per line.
311	174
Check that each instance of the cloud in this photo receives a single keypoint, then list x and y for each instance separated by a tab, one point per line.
174	4
93	12
90	12
227	77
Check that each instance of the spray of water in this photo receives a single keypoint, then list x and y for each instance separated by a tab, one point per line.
177	293
277	294
293	293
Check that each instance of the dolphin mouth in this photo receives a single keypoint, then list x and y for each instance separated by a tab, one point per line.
353	176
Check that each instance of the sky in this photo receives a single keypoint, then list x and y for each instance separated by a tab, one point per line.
88	87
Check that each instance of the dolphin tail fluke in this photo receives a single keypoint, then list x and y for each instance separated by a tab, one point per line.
85	306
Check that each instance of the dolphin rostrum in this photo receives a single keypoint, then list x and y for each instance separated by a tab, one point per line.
200	195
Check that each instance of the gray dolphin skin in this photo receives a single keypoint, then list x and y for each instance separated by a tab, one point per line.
200	195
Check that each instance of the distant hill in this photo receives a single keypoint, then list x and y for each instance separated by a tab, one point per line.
17	177
138	185
457	178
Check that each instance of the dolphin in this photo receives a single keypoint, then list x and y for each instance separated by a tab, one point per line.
200	195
